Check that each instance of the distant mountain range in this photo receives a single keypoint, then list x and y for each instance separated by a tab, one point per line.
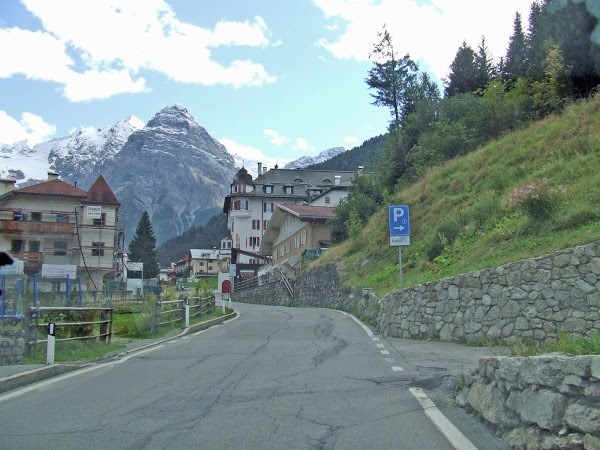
306	161
170	167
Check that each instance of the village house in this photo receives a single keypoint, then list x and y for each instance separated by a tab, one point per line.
55	228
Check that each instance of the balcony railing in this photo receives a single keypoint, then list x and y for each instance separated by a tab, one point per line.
29	257
20	227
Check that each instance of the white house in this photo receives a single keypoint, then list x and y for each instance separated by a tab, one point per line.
251	202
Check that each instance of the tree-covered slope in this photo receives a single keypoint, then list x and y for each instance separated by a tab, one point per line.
529	193
368	155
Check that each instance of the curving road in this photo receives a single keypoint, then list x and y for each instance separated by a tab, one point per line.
274	378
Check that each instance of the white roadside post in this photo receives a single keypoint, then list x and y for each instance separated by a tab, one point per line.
399	219
223	302
50	345
187	312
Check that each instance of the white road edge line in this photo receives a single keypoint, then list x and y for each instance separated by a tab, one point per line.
364	327
453	434
32	387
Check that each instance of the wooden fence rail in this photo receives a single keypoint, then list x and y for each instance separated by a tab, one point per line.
37	317
175	310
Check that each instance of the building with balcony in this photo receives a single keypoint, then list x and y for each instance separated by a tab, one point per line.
251	202
54	224
294	229
204	263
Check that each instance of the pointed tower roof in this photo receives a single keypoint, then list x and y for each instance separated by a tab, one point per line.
100	192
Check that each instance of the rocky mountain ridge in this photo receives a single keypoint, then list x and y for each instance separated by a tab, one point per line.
306	161
170	167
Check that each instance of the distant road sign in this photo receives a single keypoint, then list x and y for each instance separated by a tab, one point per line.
399	218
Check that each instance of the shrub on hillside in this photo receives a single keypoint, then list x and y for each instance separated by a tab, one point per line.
536	199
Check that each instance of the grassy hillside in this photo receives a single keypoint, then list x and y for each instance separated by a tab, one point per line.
530	193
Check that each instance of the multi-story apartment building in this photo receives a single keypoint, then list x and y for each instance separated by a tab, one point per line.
251	202
54	225
293	230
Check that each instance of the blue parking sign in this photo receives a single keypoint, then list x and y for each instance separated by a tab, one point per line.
399	218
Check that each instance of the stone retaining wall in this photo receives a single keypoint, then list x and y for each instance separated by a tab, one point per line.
12	345
548	401
320	287
531	299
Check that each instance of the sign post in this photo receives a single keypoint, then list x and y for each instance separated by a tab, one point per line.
50	344
399	219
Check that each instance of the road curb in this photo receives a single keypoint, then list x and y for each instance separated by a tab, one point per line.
33	376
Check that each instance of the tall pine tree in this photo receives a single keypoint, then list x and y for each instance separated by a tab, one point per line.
142	248
515	63
463	72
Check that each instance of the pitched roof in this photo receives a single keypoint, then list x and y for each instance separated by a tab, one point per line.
53	187
199	253
100	192
309	212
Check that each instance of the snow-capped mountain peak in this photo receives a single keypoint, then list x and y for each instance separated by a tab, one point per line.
306	161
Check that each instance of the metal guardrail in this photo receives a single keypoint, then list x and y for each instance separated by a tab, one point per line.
34	320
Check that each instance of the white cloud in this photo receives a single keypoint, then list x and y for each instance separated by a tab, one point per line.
249	155
431	32
31	128
303	145
351	140
115	40
275	138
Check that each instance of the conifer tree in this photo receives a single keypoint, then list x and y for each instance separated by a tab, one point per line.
463	72
515	63
484	65
142	248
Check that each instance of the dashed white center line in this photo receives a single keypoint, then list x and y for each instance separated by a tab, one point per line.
380	346
397	368
375	339
391	360
385	352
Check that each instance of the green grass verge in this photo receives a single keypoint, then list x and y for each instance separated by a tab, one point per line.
126	325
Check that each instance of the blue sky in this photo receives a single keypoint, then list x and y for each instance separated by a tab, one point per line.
270	79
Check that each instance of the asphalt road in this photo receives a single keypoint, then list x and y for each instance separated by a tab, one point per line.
274	378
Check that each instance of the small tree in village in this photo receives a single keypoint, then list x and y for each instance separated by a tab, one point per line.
143	247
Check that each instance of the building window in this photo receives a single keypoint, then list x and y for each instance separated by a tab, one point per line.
100	222
62	218
20	215
326	180
327	200
97	248
296	241
256	224
36	216
17	245
34	246
254	242
268	189
298	180
268	207
288	189
265	224
245	203
60	248
237	205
